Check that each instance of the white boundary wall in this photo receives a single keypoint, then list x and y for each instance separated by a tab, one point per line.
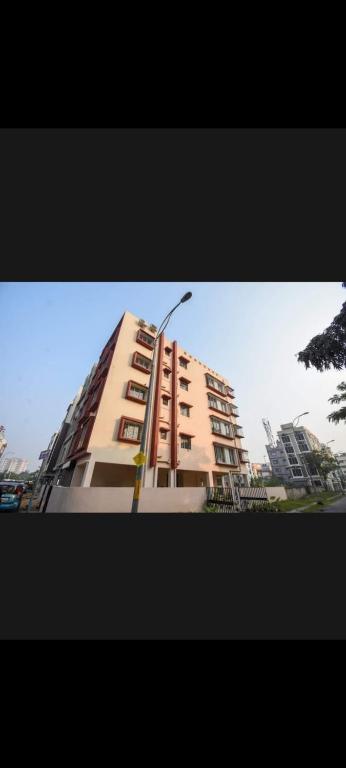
278	491
77	499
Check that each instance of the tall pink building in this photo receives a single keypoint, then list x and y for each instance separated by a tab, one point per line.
194	438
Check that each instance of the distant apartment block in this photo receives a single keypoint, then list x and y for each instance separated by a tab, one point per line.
194	440
288	457
341	459
260	471
13	465
3	441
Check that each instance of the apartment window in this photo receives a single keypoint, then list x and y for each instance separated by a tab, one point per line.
215	384
185	442
141	362
163	434
183	362
165	400
185	409
293	460
285	438
302	446
289	449
225	455
166	373
145	339
168	351
297	472
82	437
130	430
221	427
136	392
218	404
184	384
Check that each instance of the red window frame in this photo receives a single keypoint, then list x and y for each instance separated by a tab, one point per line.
187	381
138	365
190	437
219	410
213	389
187	405
144	343
121	437
221	463
132	397
215	432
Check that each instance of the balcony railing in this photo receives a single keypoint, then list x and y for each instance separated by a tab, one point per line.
244	456
239	432
234	410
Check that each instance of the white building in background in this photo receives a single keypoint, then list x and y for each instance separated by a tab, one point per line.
288	458
3	441
13	465
337	479
341	459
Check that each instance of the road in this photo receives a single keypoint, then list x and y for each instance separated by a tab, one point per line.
337	506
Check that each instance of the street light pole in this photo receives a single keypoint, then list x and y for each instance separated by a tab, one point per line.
303	457
153	373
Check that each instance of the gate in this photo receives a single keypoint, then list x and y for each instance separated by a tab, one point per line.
239	499
221	499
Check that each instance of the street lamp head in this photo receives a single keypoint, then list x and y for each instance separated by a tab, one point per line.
186	297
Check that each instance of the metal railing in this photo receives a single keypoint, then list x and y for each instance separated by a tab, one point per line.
239	499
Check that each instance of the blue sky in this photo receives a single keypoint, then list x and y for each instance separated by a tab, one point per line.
52	333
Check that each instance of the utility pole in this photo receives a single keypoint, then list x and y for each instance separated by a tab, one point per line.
141	457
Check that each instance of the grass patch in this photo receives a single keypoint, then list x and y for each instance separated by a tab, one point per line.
317	499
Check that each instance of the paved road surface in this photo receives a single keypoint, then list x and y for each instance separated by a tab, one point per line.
337	506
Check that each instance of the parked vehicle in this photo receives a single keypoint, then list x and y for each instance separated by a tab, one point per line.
10	495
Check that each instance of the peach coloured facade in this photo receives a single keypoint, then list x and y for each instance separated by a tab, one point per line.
109	461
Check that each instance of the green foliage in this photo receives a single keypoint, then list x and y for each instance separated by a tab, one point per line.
327	349
209	507
321	461
260	482
339	415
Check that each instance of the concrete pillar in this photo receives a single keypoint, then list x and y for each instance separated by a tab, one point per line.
155	476
89	468
149	477
172	480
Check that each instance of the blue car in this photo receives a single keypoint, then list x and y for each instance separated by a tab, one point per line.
10	496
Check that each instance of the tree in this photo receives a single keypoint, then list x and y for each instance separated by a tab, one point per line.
321	462
339	415
327	349
260	482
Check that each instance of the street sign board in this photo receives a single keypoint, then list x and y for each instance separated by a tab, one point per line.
140	458
43	455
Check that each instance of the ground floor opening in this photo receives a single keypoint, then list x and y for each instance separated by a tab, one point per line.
163	477
113	475
192	479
